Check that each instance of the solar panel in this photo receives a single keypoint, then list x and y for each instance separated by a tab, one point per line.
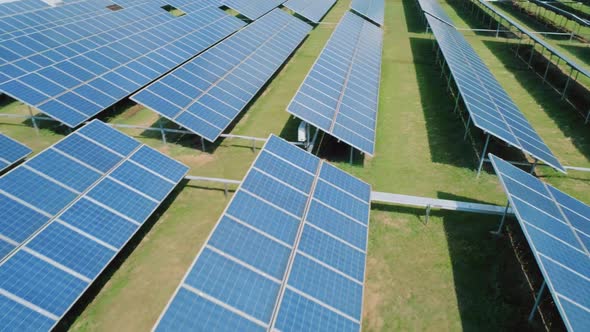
312	10
340	94
72	72
206	94
11	151
67	212
432	8
489	106
252	9
557	228
288	253
371	9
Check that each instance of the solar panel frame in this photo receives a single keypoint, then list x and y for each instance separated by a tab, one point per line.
522	206
252	9
374	10
18	151
139	64
199	103
313	10
511	126
312	115
33	245
295	160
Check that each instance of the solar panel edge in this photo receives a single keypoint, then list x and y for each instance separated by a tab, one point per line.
314	20
555	295
56	217
11	163
557	166
157	206
204	244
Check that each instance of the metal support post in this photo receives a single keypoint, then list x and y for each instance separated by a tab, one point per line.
428	207
253	145
531	57
498	30
203	144
547	69
33	120
569	77
315	136
467	128
587	117
162	131
483	154
537	301
456	104
534	166
503	220
351	154
225	190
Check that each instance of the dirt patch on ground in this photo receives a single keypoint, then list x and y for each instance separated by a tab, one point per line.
197	159
373	300
131	111
394	222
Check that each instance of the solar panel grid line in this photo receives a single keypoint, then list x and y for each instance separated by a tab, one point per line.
289	162
150	171
319	229
252	9
374	10
47	177
211	110
84	82
74	159
262	199
28	304
325	305
54	264
343	191
509	132
86	235
110	209
505	172
133	189
312	10
25	246
567	220
284	282
200	252
281	181
53	217
339	212
8	240
259	231
12	151
124	65
221	304
329	267
241	263
25	203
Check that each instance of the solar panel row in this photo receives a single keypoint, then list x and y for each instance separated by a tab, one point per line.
27	22
252	9
434	9
371	9
557	228
67	212
206	94
72	73
11	8
340	93
312	10
489	106
288	253
11	151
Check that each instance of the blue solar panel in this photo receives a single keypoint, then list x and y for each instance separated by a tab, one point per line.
312	10
371	9
63	220
252	9
555	226
340	94
88	63
11	151
489	106
206	94
247	272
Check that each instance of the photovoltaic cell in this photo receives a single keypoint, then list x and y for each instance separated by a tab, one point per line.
255	272
75	67
489	106
11	151
340	94
371	9
252	9
556	239
312	10
207	93
64	220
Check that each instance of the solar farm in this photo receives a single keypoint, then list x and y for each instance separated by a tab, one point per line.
294	165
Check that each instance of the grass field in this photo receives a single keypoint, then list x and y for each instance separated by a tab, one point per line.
449	274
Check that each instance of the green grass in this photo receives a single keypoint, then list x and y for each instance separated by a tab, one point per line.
446	275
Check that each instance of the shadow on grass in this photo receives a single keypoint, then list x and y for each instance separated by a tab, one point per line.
560	111
582	52
444	128
415	21
491	289
103	278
